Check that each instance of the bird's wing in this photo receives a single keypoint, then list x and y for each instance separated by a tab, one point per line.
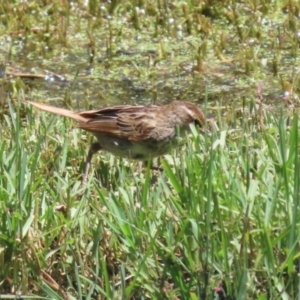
131	122
125	121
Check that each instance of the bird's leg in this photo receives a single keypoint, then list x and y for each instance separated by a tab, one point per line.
95	147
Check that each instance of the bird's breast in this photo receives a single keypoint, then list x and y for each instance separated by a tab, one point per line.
139	150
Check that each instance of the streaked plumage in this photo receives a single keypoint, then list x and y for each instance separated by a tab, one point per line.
138	132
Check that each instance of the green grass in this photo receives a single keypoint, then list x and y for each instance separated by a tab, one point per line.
220	221
222	215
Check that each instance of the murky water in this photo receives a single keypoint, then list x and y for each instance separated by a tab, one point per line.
95	62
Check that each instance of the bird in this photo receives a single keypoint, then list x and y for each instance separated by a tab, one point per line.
139	132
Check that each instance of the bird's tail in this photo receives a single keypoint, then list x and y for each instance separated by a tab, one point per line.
58	111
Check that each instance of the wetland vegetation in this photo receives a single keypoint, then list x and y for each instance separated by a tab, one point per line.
220	220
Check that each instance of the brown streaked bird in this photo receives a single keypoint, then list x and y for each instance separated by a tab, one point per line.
138	132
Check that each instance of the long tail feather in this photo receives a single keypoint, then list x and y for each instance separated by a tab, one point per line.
58	111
